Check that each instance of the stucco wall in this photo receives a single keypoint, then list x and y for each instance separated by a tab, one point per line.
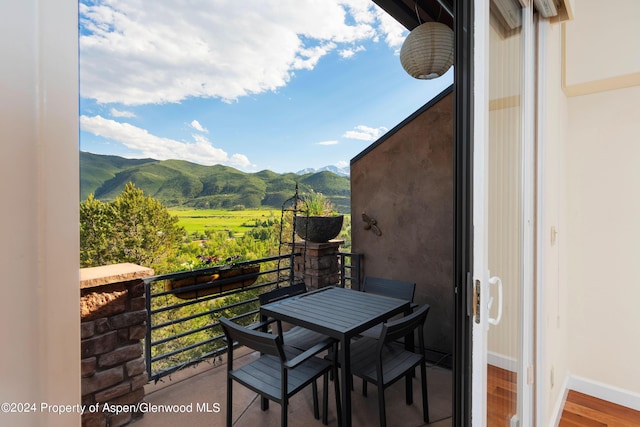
405	182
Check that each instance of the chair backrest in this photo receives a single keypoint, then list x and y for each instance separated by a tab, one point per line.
389	287
260	341
391	331
283	292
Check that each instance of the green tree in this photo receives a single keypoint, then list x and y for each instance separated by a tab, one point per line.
96	232
133	228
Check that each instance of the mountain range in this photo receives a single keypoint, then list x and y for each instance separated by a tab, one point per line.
342	171
182	183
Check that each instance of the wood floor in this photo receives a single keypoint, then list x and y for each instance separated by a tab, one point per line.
580	410
501	396
587	411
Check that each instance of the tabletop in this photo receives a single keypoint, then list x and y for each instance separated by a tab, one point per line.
339	313
336	312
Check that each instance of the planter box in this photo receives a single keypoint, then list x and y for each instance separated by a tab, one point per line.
218	282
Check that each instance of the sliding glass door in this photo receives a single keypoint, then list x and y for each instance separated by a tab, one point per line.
503	215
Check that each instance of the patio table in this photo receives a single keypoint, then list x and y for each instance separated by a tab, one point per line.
339	313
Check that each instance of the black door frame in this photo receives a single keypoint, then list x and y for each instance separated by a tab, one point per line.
463	208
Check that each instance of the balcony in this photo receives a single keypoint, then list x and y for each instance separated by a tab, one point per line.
179	376
199	388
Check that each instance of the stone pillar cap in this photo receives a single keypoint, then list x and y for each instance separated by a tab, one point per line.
113	273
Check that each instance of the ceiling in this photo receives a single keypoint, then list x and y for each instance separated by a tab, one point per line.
404	11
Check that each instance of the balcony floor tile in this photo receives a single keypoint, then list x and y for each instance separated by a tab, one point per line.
205	386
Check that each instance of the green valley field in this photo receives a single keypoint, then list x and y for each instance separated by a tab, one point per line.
238	222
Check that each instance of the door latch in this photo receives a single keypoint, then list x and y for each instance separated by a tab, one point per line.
495	280
476	301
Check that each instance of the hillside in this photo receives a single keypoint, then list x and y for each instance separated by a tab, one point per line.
96	169
181	183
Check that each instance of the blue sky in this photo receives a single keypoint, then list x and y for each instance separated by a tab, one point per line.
281	85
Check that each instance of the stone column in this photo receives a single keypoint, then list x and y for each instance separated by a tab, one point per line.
113	322
320	266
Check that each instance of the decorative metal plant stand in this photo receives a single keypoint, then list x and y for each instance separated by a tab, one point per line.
296	207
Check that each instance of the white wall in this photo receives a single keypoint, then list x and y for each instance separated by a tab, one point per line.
590	170
552	238
603	174
602	42
39	311
603	201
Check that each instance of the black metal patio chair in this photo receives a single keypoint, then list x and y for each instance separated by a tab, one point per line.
391	288
383	361
386	287
279	372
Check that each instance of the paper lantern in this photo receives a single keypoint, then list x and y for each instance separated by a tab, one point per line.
427	52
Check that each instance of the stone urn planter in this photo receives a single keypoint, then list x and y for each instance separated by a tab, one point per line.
218	282
318	229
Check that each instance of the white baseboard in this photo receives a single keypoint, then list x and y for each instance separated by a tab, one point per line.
559	406
596	389
604	391
616	395
502	361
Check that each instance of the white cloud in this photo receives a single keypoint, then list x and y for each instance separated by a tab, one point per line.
200	150
327	142
239	161
197	126
349	53
342	164
393	33
365	133
138	52
117	113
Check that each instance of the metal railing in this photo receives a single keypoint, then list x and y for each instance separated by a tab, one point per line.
350	270
183	308
183	311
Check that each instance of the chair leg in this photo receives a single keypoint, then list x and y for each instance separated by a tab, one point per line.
364	388
229	402
316	412
334	354
336	389
284	409
264	403
381	406
325	398
425	396
408	388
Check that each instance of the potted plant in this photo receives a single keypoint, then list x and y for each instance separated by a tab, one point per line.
218	277
317	220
